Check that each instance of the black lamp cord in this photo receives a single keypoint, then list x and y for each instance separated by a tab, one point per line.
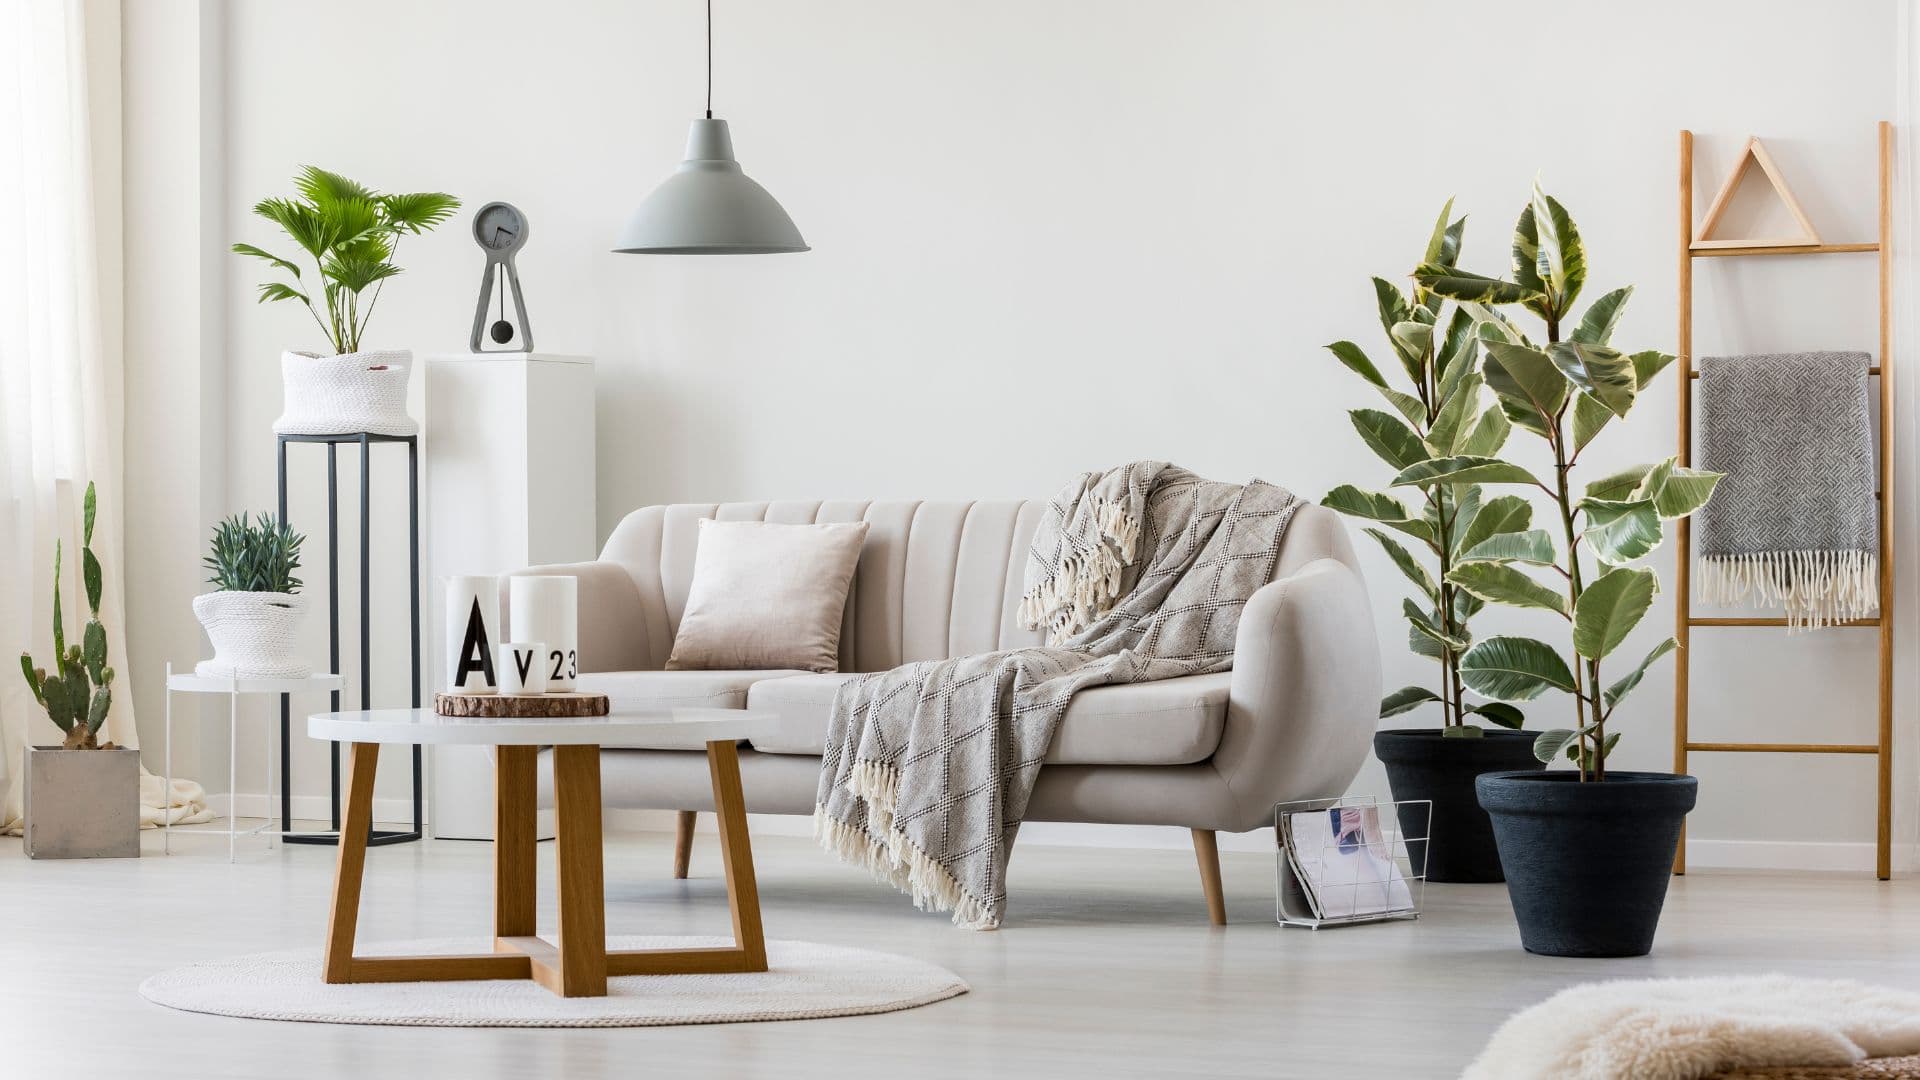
709	59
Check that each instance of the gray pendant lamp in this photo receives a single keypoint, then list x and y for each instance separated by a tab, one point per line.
708	206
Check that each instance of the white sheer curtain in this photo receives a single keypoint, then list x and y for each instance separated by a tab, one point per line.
60	374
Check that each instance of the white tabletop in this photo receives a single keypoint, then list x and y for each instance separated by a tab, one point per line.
660	729
189	683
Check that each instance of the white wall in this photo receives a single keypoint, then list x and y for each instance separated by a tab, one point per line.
1051	236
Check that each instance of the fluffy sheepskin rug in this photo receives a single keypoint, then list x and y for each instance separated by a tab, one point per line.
1683	1029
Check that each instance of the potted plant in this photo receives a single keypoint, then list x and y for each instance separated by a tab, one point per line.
1587	852
82	798
253	617
350	232
1456	532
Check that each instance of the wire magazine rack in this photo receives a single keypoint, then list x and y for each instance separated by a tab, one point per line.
1365	877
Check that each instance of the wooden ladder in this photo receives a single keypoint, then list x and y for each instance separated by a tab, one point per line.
1701	245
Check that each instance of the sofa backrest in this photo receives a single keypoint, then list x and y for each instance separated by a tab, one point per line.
936	578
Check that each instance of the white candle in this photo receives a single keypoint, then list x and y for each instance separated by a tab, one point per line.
473	625
543	608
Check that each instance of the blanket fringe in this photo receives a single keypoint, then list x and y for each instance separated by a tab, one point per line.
895	859
1085	581
1817	588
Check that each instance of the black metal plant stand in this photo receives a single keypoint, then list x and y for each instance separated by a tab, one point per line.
364	440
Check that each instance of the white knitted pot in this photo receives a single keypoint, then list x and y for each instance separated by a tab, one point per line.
334	395
254	634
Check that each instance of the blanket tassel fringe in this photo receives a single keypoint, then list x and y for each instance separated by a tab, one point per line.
1817	588
1077	593
895	860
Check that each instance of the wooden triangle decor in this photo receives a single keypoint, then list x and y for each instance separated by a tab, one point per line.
1754	152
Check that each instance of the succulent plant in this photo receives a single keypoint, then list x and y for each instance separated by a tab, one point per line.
254	556
78	693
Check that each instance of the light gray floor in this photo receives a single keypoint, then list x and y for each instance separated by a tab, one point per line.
1107	966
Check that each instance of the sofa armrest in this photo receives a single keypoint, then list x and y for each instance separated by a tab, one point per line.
613	624
1305	695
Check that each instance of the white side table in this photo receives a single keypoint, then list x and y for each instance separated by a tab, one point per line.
188	683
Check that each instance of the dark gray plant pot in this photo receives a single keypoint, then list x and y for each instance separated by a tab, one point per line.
1587	864
82	804
1424	764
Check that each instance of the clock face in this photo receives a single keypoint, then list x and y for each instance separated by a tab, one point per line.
499	227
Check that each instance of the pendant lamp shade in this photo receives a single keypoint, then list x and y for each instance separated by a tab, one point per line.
709	207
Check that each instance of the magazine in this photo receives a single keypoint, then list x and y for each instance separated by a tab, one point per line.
1344	862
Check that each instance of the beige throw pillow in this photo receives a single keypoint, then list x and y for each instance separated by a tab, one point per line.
767	595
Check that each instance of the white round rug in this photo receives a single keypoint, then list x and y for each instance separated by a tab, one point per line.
803	981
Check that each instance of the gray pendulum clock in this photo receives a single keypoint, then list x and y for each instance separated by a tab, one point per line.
501	231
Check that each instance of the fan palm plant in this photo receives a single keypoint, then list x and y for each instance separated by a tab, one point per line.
1565	390
1440	354
350	232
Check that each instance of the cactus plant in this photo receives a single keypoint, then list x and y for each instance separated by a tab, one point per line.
79	692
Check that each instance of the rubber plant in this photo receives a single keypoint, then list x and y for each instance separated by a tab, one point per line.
1442	418
350	231
1565	390
78	693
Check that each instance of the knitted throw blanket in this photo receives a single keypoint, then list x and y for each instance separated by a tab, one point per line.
1794	523
1139	573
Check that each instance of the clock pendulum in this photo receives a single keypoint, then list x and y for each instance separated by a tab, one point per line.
501	231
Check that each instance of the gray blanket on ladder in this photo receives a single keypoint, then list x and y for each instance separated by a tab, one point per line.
1794	523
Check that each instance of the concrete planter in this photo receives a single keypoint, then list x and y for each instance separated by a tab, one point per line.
82	804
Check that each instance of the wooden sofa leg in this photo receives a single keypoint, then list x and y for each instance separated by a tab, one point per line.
682	842
1207	852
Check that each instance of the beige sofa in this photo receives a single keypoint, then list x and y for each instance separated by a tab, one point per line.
1292	720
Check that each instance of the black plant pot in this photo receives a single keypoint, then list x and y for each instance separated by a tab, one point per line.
1423	764
1587	864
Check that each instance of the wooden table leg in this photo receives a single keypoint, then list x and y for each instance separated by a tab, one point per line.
515	833
355	821
583	918
736	851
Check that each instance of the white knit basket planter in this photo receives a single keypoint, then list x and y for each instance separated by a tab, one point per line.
333	395
254	634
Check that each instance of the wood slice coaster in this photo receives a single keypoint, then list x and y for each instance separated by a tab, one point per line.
504	706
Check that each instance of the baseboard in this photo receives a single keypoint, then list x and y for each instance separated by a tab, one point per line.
1849	856
305	807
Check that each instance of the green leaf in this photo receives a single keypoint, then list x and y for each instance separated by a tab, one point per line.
1405	699
417	212
1533	546
1609	609
318	185
1459	351
1423	624
1407	405
1490	324
1677	491
1413	339
90	578
1618	487
301	221
1563	260
1437	247
1396	443
1596	326
1500	713
1632	679
1606	747
1526	254
1489	434
1392	305
249	249
1526	377
1589	416
1620	532
1514	669
1605	374
1456	284
1463	470
1501	514
1373	506
1450	424
89	504
1408	565
1506	585
1548	744
274	290
1648	364
1357	362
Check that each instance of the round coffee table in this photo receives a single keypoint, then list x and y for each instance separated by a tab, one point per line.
578	964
